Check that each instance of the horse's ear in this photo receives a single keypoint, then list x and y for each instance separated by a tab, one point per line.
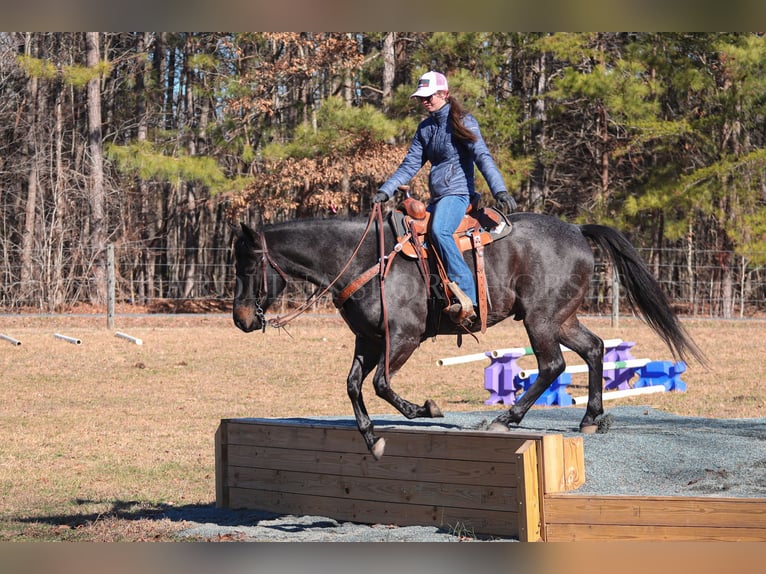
248	233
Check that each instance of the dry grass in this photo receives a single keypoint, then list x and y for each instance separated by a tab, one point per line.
100	438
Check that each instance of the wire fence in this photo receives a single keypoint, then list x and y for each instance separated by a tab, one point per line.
708	285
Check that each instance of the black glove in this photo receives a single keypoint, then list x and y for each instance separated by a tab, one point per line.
505	202
380	197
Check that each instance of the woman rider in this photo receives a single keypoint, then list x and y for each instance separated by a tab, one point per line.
450	139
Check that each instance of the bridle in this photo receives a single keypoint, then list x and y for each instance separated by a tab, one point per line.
263	288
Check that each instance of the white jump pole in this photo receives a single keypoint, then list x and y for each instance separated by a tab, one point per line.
72	340
135	340
630	364
521	351
497	353
11	340
460	360
608	344
622	394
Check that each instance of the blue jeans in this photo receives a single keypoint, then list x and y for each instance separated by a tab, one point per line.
446	215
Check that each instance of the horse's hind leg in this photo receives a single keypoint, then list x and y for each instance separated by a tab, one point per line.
590	348
544	339
408	409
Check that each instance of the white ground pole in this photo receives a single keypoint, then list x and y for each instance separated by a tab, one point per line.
622	394
135	340
72	340
11	340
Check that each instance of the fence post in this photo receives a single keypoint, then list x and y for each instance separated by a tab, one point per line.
615	297
110	286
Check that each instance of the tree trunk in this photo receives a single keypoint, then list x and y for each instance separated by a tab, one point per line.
30	205
56	287
145	287
96	193
389	68
537	179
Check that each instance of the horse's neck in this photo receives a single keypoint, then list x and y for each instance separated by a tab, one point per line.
316	250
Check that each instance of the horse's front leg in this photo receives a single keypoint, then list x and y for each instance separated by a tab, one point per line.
365	360
399	355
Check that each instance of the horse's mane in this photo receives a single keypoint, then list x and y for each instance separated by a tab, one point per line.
341	221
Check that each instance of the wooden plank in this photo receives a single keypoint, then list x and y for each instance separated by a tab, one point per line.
574	463
221	468
563	463
602	532
485	522
363	488
344	464
528	491
657	511
553	469
428	443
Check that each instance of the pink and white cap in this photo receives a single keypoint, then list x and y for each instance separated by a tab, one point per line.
430	83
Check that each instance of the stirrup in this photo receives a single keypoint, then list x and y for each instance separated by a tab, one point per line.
463	316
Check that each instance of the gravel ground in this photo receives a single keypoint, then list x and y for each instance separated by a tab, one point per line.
645	452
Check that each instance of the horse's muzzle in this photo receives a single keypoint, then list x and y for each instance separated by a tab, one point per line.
246	320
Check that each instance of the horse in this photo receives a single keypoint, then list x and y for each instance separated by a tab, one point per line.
538	274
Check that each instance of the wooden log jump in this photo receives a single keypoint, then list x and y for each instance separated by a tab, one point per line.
572	517
487	482
520	485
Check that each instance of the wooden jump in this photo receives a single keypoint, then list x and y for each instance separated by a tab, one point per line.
488	483
654	518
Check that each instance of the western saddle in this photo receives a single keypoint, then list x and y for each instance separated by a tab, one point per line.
479	228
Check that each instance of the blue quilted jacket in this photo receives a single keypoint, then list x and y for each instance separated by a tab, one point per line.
452	171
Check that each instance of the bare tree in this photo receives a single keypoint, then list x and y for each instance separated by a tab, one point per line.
389	67
96	192
33	175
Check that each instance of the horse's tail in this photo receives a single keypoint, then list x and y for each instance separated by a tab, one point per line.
643	291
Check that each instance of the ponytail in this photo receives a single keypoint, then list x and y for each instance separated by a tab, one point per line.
456	115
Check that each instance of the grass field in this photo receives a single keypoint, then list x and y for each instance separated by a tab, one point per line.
100	438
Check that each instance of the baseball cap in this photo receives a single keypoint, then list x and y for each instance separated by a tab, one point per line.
430	83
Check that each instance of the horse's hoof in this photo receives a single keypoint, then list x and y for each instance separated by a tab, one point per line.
433	410
589	429
378	448
604	423
498	427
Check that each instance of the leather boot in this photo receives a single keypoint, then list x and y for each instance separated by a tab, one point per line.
460	309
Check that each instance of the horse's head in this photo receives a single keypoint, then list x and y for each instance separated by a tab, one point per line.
258	282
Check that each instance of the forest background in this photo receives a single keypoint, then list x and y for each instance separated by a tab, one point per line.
159	143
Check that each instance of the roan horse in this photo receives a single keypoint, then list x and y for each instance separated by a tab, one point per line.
539	274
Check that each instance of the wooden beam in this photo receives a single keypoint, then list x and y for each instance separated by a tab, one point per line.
528	493
221	468
574	463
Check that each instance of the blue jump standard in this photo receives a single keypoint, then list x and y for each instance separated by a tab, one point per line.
502	380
